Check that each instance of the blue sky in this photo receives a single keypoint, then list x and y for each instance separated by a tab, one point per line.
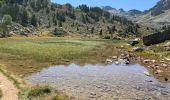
125	4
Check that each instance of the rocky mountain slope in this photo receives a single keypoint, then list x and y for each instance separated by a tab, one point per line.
132	15
158	16
68	19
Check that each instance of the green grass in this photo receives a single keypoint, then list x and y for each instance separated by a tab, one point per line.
59	97
26	93
39	91
168	56
48	50
18	83
24	56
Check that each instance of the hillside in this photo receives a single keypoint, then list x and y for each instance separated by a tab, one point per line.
132	15
65	19
158	16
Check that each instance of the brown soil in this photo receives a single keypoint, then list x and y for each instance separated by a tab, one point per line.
8	89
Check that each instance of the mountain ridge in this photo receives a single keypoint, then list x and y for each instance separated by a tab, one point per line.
158	16
131	14
83	19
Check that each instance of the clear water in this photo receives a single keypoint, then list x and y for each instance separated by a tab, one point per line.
102	82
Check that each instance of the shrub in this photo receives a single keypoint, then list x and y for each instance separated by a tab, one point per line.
58	32
4	23
107	37
39	90
1	94
58	97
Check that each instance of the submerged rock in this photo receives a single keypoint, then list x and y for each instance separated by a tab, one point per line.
146	73
148	80
117	62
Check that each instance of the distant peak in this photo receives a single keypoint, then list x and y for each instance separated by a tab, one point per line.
108	8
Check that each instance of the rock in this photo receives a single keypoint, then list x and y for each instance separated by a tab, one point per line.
167	44
138	49
148	80
92	93
156	72
156	38
159	71
109	61
163	92
156	67
122	55
127	62
122	46
114	57
117	62
159	86
133	42
146	73
147	61
162	61
166	79
153	61
165	65
167	48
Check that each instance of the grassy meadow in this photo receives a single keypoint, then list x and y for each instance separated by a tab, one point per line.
27	55
48	50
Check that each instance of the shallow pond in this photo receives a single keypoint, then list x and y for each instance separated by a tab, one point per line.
102	82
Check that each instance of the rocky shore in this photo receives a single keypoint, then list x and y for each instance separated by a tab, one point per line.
160	69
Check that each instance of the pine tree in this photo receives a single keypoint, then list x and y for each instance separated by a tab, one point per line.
6	20
34	20
24	17
60	24
101	33
92	30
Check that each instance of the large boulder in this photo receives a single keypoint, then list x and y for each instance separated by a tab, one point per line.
167	46
156	38
134	42
17	29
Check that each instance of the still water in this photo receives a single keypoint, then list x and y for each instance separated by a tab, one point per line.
102	82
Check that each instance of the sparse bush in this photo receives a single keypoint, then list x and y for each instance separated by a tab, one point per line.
34	20
5	22
1	94
57	97
107	37
58	31
39	90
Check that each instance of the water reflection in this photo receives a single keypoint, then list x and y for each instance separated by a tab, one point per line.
102	82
